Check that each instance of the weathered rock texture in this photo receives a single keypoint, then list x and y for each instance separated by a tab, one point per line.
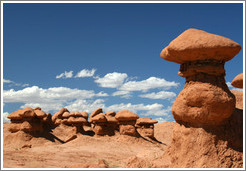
209	129
205	99
145	126
238	81
127	121
29	120
209	147
103	123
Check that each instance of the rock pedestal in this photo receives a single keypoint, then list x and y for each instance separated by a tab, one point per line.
209	129
205	99
29	120
145	127
127	121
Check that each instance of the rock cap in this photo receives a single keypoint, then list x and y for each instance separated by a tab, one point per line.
126	115
194	45
145	120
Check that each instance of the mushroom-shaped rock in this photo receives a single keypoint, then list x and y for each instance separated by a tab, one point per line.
96	112
58	116
127	121
205	99
238	81
99	122
145	126
110	113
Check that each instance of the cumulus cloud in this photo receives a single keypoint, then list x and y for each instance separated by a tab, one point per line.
150	83
111	80
65	75
50	99
85	73
159	95
5	119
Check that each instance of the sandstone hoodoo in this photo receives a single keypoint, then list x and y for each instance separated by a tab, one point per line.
29	120
238	81
112	122
99	124
77	120
58	116
145	126
127	121
205	99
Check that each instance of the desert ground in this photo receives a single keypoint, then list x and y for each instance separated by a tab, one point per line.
118	151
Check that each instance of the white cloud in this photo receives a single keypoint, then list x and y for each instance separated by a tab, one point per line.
112	80
85	73
150	83
5	119
7	81
65	75
86	105
12	83
122	94
49	99
160	95
160	120
233	88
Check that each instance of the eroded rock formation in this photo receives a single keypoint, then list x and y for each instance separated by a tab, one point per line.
238	81
29	120
127	121
205	98
145	126
209	129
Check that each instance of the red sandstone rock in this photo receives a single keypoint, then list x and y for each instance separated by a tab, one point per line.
194	45
126	115
238	81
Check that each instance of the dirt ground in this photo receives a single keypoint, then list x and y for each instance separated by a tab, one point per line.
21	150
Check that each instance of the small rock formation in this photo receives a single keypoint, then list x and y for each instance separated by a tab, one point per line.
29	120
58	116
99	122
112	122
145	127
205	98
77	119
238	81
209	130
127	121
103	123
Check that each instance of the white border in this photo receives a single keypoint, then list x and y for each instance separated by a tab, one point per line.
243	2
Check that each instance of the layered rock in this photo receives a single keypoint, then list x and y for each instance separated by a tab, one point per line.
209	129
29	120
205	99
127	121
103	123
145	126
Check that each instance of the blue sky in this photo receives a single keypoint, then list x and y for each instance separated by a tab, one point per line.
84	56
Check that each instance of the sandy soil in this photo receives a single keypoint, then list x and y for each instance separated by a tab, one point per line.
24	151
